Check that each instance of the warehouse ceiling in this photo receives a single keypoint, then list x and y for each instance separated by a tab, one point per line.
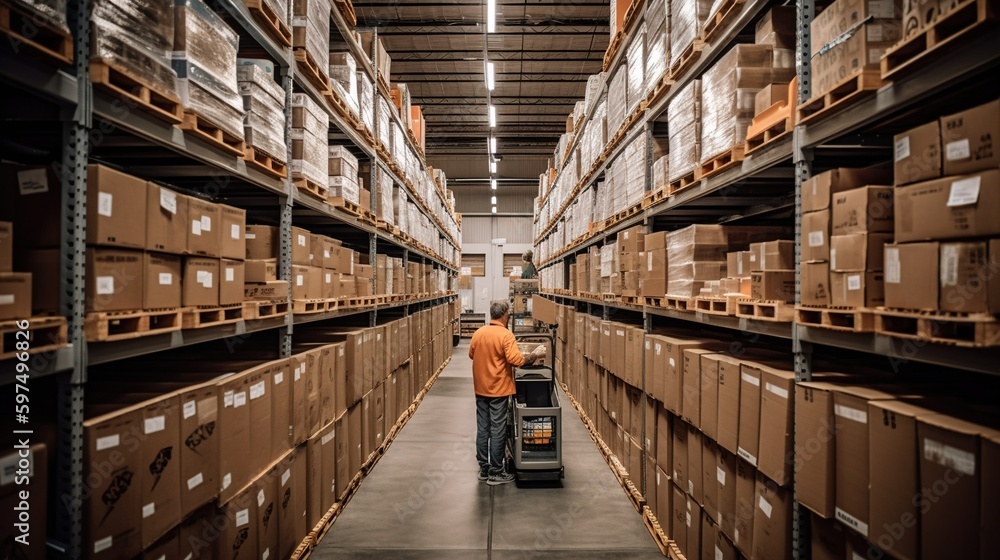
543	51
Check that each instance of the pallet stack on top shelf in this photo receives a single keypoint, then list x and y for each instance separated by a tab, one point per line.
186	289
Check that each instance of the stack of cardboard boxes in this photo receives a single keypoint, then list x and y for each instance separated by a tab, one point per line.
343	174
766	272
344	78
631	246
310	150
264	103
15	287
849	37
947	255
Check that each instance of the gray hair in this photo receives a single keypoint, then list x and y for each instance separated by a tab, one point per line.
498	309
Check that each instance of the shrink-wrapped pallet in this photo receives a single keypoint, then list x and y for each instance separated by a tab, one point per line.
385	208
636	55
660	172
137	38
264	104
384	134
684	124
344	72
657	45
52	12
310	123
342	167
366	101
617	99
728	89
695	255
311	30
595	87
687	17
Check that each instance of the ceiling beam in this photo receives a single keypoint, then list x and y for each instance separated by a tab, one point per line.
435	28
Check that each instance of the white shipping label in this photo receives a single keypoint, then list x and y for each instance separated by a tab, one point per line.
239	399
242	517
166	279
260	498
208	280
196	227
659	348
649	261
251	236
851	413
739	267
949	264
200	275
902	148
266	554
856	556
155	424
257	390
657	478
327	438
751	379
195	481
720	475
105	201
948	456
718	554
105	285
329	278
279	377
815	238
752	459
230	274
190	409
168	200
148	510
833	259
227	480
206	223
764	506
190	556
688	518
964	192
7	299
299	279
326	253
959	149
854	282
298	374
103	544
780	391
302	241
108	442
234	231
285	476
690	489
892	272
227	399
851	521
32	181
673	363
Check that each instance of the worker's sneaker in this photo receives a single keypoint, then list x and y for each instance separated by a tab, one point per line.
498	479
483	476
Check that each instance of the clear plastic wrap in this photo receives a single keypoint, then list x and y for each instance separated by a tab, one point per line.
136	36
311	29
264	125
345	188
695	254
385	210
660	169
198	95
683	123
52	12
595	86
344	70
687	17
636	55
366	101
400	202
617	99
728	89
342	93
309	140
656	42
384	134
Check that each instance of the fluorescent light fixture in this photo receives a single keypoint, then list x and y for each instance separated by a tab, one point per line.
493	184
493	116
491	16
493	165
493	200
493	144
494	209
491	80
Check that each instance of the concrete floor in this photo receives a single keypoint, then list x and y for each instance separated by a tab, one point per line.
423	500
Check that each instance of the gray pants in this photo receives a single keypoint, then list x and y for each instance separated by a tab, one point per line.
491	433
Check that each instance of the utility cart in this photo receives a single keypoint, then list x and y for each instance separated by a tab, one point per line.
535	421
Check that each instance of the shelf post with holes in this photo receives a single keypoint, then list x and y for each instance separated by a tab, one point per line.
287	204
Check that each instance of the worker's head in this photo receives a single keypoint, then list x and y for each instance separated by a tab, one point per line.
499	310
528	255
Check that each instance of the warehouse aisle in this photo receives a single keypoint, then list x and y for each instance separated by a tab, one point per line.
423	499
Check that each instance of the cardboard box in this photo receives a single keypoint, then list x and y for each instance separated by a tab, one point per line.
729	403
111	511
238	535
746	507
776	285
749	432
967	138
292	511
307	282
632	240
817	192
269	291
301	246
828	539
857	289
344	474
679	453
862	210
917	154
259	391
858	251
695	470
201	282
814	286
911	276
262	242
770	95
814	447
44	266
205	233
166	220
949	208
260	270
199	456
989	515
314	470
233	244
726	477
709	421
231	282
664	440
861	51
30	194
15	295
772	523
691	384
816	236
117	204
776	424
162	281
114	280
543	309
710	479
776	28
773	255
671	391
268	503
282	418
970	277
233	427
678	520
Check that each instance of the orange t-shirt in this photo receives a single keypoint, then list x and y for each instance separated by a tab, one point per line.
494	352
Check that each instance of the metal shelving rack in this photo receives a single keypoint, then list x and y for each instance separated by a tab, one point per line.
82	110
789	162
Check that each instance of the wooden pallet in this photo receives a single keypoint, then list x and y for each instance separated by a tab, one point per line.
207	131
963	23
682	303
311	70
339	104
270	21
656	531
689	55
652	302
307	306
712	305
973	330
25	27
654	197
43	334
345	205
347	10
163	105
260	160
775	311
613	46
776	132
684	181
846	93
729	158
836	318
631	300
310	187
108	326
660	89
201	317
264	309
722	17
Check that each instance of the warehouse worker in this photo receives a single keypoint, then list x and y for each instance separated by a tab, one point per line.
529	270
494	354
